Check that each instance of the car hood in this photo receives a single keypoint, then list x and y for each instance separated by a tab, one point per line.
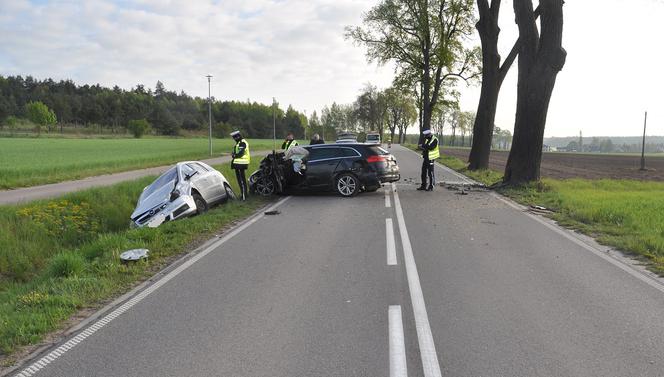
155	199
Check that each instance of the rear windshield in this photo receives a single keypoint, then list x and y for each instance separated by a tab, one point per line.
377	151
373	137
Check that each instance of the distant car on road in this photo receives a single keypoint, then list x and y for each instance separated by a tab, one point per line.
346	138
186	189
373	138
346	169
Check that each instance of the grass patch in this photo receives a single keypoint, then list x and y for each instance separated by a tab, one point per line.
59	256
35	161
625	214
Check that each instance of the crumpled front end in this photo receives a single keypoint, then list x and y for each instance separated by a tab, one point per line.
180	207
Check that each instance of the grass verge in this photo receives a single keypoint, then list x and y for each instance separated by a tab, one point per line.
35	161
625	214
60	256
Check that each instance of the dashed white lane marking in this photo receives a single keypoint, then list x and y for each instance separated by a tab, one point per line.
391	245
388	202
58	352
428	354
397	343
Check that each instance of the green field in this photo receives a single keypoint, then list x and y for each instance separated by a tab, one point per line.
58	256
625	214
36	161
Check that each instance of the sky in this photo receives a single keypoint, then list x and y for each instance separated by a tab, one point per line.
294	50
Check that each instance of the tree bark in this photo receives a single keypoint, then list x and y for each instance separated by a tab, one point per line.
540	60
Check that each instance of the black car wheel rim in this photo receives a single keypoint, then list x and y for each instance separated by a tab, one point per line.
346	185
264	186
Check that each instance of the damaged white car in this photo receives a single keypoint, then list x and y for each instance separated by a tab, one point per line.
187	189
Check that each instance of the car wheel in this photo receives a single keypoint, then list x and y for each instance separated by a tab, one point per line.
230	194
347	185
201	204
265	186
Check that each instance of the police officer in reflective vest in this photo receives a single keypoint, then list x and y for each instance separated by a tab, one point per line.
240	162
289	143
430	152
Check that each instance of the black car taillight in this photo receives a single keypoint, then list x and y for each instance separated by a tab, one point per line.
376	158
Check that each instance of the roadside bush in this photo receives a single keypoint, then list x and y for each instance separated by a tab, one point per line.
66	264
40	115
138	127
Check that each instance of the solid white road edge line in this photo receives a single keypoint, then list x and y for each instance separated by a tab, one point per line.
639	275
388	203
397	343
391	245
428	354
58	352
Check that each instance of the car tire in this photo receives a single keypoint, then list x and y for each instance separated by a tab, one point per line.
265	186
347	185
230	194
201	204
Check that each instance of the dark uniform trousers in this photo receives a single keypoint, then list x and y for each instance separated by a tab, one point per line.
428	171
241	179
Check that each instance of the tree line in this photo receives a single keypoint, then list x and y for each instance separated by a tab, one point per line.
114	109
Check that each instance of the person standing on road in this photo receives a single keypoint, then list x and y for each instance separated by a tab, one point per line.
430	152
289	142
316	140
240	162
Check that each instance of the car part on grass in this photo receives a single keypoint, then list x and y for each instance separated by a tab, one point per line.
134	255
186	189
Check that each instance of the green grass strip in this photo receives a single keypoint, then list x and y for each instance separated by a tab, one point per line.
36	161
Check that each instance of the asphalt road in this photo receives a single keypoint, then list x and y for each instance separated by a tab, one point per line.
27	194
476	288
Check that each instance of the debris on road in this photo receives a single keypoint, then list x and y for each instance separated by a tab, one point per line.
134	255
272	213
540	209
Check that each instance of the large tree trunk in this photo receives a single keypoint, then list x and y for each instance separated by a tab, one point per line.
540	60
488	29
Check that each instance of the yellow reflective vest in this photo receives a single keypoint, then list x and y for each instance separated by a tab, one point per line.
434	153
246	157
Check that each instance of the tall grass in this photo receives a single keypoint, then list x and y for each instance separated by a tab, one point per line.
53	262
34	161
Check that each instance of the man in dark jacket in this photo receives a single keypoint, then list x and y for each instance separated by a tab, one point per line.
316	140
430	152
240	163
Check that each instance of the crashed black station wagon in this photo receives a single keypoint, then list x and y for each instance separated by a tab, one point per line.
347	169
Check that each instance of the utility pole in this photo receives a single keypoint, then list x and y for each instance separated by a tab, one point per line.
209	77
274	123
643	145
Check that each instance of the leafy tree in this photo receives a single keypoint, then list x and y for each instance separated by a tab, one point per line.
426	39
401	111
40	115
139	127
541	57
